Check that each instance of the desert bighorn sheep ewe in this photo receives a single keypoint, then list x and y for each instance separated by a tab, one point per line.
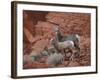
61	42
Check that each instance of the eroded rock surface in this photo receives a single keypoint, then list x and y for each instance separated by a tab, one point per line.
41	31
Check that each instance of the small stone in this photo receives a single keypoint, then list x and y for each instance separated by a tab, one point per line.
73	64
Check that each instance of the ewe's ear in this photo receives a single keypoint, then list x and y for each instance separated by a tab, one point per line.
77	36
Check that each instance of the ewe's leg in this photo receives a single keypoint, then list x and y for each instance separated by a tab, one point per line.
77	47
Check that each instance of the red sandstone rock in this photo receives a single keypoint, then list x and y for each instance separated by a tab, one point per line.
69	23
39	46
28	34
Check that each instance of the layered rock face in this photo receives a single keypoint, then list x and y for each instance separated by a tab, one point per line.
71	23
38	30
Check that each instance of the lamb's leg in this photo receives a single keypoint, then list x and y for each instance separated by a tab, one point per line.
77	53
77	48
72	57
63	53
72	54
